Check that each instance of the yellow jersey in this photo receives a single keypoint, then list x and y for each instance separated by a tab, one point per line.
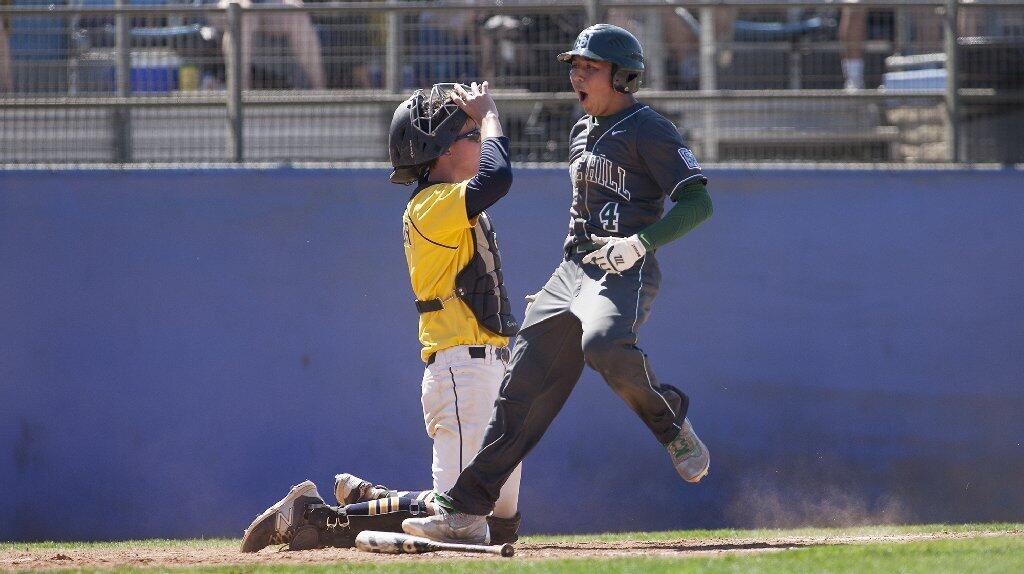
438	238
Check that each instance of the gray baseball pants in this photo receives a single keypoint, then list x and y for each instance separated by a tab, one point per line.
580	316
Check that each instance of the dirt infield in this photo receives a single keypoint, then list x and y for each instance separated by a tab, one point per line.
218	554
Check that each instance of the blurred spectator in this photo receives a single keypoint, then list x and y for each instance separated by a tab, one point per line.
6	78
444	47
501	50
853	32
925	34
519	51
296	27
680	32
682	44
354	45
926	30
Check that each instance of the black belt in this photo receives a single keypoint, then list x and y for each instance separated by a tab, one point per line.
479	353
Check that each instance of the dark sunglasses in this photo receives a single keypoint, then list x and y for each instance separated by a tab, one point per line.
471	135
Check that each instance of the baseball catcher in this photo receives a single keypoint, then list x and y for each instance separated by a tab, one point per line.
448	143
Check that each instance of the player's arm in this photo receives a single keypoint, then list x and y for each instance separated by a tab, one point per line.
494	176
493	179
672	165
693	207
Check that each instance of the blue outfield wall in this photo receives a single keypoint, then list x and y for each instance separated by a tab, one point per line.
177	348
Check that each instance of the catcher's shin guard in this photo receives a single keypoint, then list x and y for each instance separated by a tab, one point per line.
504	530
328	526
338	526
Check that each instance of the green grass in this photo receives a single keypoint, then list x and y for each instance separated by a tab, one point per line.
971	555
150	544
613	536
765	533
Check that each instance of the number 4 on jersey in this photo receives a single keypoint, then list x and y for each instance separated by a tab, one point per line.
610	217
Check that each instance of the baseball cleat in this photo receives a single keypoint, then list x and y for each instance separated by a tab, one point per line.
504	530
350	489
689	455
455	527
279	523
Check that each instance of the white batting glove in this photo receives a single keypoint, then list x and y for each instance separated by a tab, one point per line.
617	254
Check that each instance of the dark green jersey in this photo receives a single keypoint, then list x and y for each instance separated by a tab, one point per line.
622	169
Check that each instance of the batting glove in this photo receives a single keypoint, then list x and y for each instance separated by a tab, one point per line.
617	254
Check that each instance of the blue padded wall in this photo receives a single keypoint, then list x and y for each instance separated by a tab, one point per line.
177	348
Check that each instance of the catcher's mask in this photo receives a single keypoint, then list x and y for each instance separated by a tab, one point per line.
423	128
607	43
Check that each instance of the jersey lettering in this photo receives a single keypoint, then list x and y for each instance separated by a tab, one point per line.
620	174
603	171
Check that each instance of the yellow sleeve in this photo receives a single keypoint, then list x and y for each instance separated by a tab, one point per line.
440	210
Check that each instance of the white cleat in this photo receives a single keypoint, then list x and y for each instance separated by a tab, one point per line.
689	455
279	523
454	527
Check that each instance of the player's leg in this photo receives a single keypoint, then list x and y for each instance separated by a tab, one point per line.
461	405
546	363
478	392
612	308
545	366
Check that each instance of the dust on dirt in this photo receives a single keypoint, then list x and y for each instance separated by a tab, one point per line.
219	555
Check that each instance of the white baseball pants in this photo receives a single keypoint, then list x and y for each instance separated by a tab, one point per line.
458	400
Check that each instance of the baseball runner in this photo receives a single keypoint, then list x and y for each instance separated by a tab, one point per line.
449	143
624	159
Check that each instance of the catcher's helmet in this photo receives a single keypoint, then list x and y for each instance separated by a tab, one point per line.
423	128
616	45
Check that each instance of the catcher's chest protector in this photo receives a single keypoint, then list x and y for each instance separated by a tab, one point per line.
481	284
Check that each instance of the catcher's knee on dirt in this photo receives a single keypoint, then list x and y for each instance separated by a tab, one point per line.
504	530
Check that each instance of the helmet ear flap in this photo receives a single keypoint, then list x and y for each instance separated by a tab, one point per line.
626	81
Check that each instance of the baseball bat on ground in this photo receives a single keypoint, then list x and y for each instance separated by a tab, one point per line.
398	543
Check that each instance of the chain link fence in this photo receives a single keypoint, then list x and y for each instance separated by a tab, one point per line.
165	81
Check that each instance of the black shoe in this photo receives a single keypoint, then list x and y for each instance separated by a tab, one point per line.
504	530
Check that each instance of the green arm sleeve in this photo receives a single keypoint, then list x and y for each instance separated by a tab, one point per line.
693	206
